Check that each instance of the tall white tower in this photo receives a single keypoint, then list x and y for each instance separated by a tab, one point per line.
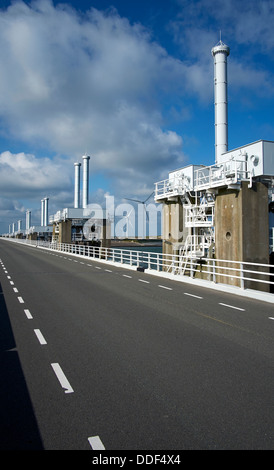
42	212
77	185
46	211
220	53
85	180
28	220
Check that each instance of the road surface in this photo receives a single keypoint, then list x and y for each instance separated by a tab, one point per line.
96	357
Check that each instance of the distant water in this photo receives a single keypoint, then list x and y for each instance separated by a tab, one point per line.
142	259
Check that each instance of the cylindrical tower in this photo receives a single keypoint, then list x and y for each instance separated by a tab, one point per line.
85	180
46	212
220	53
77	185
28	220
42	212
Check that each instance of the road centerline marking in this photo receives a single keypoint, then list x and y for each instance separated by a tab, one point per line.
21	300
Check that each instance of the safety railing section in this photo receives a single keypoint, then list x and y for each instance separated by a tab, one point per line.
226	173
240	274
169	188
245	275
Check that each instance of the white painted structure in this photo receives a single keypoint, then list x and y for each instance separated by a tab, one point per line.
220	53
85	180
195	186
46	211
77	185
42	212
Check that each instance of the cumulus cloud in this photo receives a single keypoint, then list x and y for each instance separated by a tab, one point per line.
247	26
25	173
77	84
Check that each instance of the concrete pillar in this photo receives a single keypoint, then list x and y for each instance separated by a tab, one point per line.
65	231
241	230
173	227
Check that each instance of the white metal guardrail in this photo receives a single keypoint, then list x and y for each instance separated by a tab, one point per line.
245	275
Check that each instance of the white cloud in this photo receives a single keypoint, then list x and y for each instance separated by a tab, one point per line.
77	84
246	26
24	174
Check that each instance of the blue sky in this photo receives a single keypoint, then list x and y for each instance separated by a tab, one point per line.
128	82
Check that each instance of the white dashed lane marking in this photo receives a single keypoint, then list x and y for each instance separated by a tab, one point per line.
62	378
232	306
192	295
40	337
28	314
96	443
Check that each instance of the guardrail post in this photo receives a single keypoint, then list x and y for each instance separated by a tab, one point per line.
214	271
242	276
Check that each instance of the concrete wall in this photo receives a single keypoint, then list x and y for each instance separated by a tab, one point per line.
65	231
174	232
241	229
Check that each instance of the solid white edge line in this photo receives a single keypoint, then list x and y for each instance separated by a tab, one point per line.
40	337
28	314
232	306
62	378
96	443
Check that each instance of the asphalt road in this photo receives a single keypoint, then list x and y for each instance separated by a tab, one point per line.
100	357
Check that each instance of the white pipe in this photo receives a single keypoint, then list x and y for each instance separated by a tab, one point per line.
220	53
42	212
77	185
46	212
85	180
